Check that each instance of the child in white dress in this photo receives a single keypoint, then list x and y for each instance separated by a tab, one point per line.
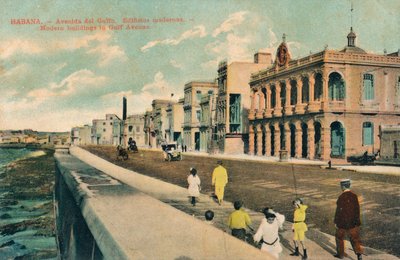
194	185
268	232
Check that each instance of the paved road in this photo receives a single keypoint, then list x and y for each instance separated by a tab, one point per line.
261	184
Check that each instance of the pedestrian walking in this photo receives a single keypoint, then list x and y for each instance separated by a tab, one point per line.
268	232
238	221
299	227
347	220
219	180
194	185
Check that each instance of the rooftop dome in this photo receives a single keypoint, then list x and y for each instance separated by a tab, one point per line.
351	43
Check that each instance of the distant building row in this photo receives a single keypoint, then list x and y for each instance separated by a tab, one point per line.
331	104
29	136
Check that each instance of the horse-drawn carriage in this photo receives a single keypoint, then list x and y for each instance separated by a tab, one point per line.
122	153
132	145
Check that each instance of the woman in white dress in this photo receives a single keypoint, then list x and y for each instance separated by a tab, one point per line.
268	232
194	185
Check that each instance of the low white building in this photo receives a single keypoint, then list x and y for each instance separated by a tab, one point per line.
81	135
194	90
134	130
107	131
174	122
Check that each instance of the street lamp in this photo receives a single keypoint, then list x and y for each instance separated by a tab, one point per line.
283	153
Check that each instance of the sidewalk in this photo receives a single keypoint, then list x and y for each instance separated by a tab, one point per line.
319	246
376	169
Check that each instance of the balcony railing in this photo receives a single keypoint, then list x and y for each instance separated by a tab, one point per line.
336	105
369	107
329	56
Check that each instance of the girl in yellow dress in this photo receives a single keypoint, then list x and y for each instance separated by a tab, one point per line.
299	227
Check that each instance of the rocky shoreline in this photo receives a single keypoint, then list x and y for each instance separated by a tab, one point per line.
26	214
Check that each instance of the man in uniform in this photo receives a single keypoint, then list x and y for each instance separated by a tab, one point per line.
347	220
219	180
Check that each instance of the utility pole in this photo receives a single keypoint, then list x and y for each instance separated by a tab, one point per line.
283	153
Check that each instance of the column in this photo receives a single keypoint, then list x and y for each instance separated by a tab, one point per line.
262	100
311	83
267	143
259	140
252	95
325	82
311	140
287	138
325	143
277	139
314	106
261	104
299	106
298	139
251	139
268	109
299	84
288	107
278	107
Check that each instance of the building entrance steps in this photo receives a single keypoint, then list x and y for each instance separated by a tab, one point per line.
319	245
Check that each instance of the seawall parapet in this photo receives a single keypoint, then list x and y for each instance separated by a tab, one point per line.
100	217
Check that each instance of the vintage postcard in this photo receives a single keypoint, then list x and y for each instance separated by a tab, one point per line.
251	117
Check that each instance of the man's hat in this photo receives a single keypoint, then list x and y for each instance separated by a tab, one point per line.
345	182
193	170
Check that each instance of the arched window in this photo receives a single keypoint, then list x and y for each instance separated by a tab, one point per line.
293	93
337	139
368	87
305	91
264	91
368	133
318	87
282	95
336	88
273	97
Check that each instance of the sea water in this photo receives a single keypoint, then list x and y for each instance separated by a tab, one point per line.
24	242
8	155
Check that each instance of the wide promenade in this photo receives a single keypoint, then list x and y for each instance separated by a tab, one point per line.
261	184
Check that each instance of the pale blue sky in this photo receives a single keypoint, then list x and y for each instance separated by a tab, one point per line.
52	81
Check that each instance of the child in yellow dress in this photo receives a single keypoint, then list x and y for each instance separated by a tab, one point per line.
299	227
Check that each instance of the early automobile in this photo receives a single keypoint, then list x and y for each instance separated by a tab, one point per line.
171	153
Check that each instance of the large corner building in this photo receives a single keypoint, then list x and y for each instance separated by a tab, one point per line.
326	105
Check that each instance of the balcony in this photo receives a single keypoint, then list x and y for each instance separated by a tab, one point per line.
289	110
191	125
369	107
259	114
314	107
268	112
336	106
300	109
277	112
252	114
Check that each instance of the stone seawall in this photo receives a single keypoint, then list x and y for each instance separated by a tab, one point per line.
100	217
